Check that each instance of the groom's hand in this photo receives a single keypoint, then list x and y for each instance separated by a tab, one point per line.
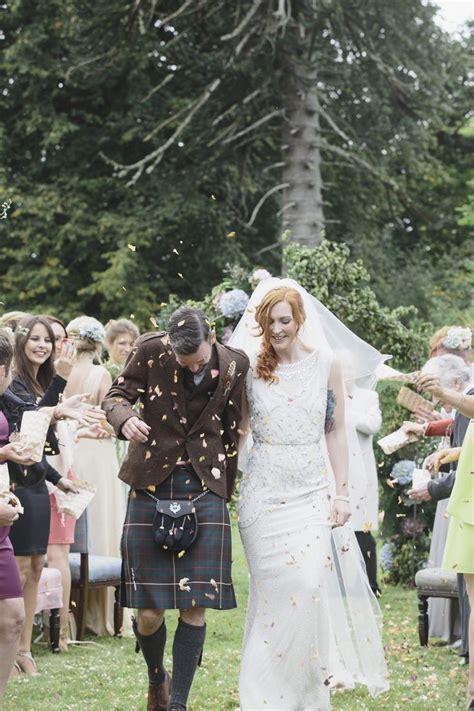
135	430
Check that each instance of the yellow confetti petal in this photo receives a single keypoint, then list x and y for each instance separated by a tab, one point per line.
132	247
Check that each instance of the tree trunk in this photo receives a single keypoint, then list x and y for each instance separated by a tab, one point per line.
302	206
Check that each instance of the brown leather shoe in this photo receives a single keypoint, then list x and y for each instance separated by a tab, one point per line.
159	695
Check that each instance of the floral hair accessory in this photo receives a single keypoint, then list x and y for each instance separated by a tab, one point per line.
233	303
92	332
258	276
458	338
21	331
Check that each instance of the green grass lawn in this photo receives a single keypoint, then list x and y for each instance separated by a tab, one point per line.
109	675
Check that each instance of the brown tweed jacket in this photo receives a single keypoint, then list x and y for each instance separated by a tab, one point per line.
154	379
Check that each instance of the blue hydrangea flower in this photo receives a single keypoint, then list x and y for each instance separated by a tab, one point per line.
386	556
233	303
93	332
402	472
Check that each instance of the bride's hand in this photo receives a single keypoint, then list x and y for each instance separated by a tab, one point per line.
340	513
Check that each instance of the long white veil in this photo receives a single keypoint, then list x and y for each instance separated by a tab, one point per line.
321	330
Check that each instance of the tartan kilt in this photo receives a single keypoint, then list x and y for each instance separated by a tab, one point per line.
154	578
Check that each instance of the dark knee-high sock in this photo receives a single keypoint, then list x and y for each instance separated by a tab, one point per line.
153	647
187	648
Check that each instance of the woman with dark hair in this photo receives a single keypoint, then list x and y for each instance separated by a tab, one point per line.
35	384
12	610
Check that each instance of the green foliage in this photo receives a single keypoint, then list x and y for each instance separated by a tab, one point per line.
409	557
343	287
92	81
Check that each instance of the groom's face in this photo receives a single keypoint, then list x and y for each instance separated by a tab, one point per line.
196	362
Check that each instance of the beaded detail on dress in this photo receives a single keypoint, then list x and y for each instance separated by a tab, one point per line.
287	424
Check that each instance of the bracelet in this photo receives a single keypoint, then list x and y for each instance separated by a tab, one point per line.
342	498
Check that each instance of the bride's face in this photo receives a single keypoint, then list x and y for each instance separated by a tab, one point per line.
283	327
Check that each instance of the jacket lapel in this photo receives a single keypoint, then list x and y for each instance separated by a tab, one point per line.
226	379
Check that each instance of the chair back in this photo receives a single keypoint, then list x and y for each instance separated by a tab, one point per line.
81	535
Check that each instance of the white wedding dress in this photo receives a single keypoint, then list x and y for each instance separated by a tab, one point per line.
312	621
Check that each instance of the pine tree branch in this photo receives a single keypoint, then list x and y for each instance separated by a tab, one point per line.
254	125
286	207
244	22
166	122
159	86
151	160
177	12
257	207
83	64
245	100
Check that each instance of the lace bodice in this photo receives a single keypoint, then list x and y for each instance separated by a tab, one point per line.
287	426
292	410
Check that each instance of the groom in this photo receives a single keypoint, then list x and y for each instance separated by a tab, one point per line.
183	445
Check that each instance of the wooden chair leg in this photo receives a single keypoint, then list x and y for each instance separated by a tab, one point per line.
423	622
118	614
80	612
54	628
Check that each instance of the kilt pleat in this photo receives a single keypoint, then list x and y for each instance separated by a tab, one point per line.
200	576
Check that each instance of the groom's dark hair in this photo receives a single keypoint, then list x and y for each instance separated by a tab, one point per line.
187	329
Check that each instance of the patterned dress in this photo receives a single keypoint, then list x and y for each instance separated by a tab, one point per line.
312	621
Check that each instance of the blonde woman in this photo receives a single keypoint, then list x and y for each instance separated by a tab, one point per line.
120	335
95	461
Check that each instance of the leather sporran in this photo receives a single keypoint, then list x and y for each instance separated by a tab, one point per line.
175	523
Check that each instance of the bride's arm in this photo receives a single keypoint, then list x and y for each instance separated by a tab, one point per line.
336	441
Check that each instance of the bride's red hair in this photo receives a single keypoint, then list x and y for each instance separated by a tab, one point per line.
267	358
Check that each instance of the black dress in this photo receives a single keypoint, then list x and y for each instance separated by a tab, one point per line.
30	532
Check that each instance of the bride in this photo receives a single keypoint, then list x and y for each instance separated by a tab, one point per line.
312	622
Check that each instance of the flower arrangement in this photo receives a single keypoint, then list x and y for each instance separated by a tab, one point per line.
458	338
402	472
233	303
386	556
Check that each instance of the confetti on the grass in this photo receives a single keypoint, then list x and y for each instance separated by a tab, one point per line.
180	275
176	252
132	247
231	234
